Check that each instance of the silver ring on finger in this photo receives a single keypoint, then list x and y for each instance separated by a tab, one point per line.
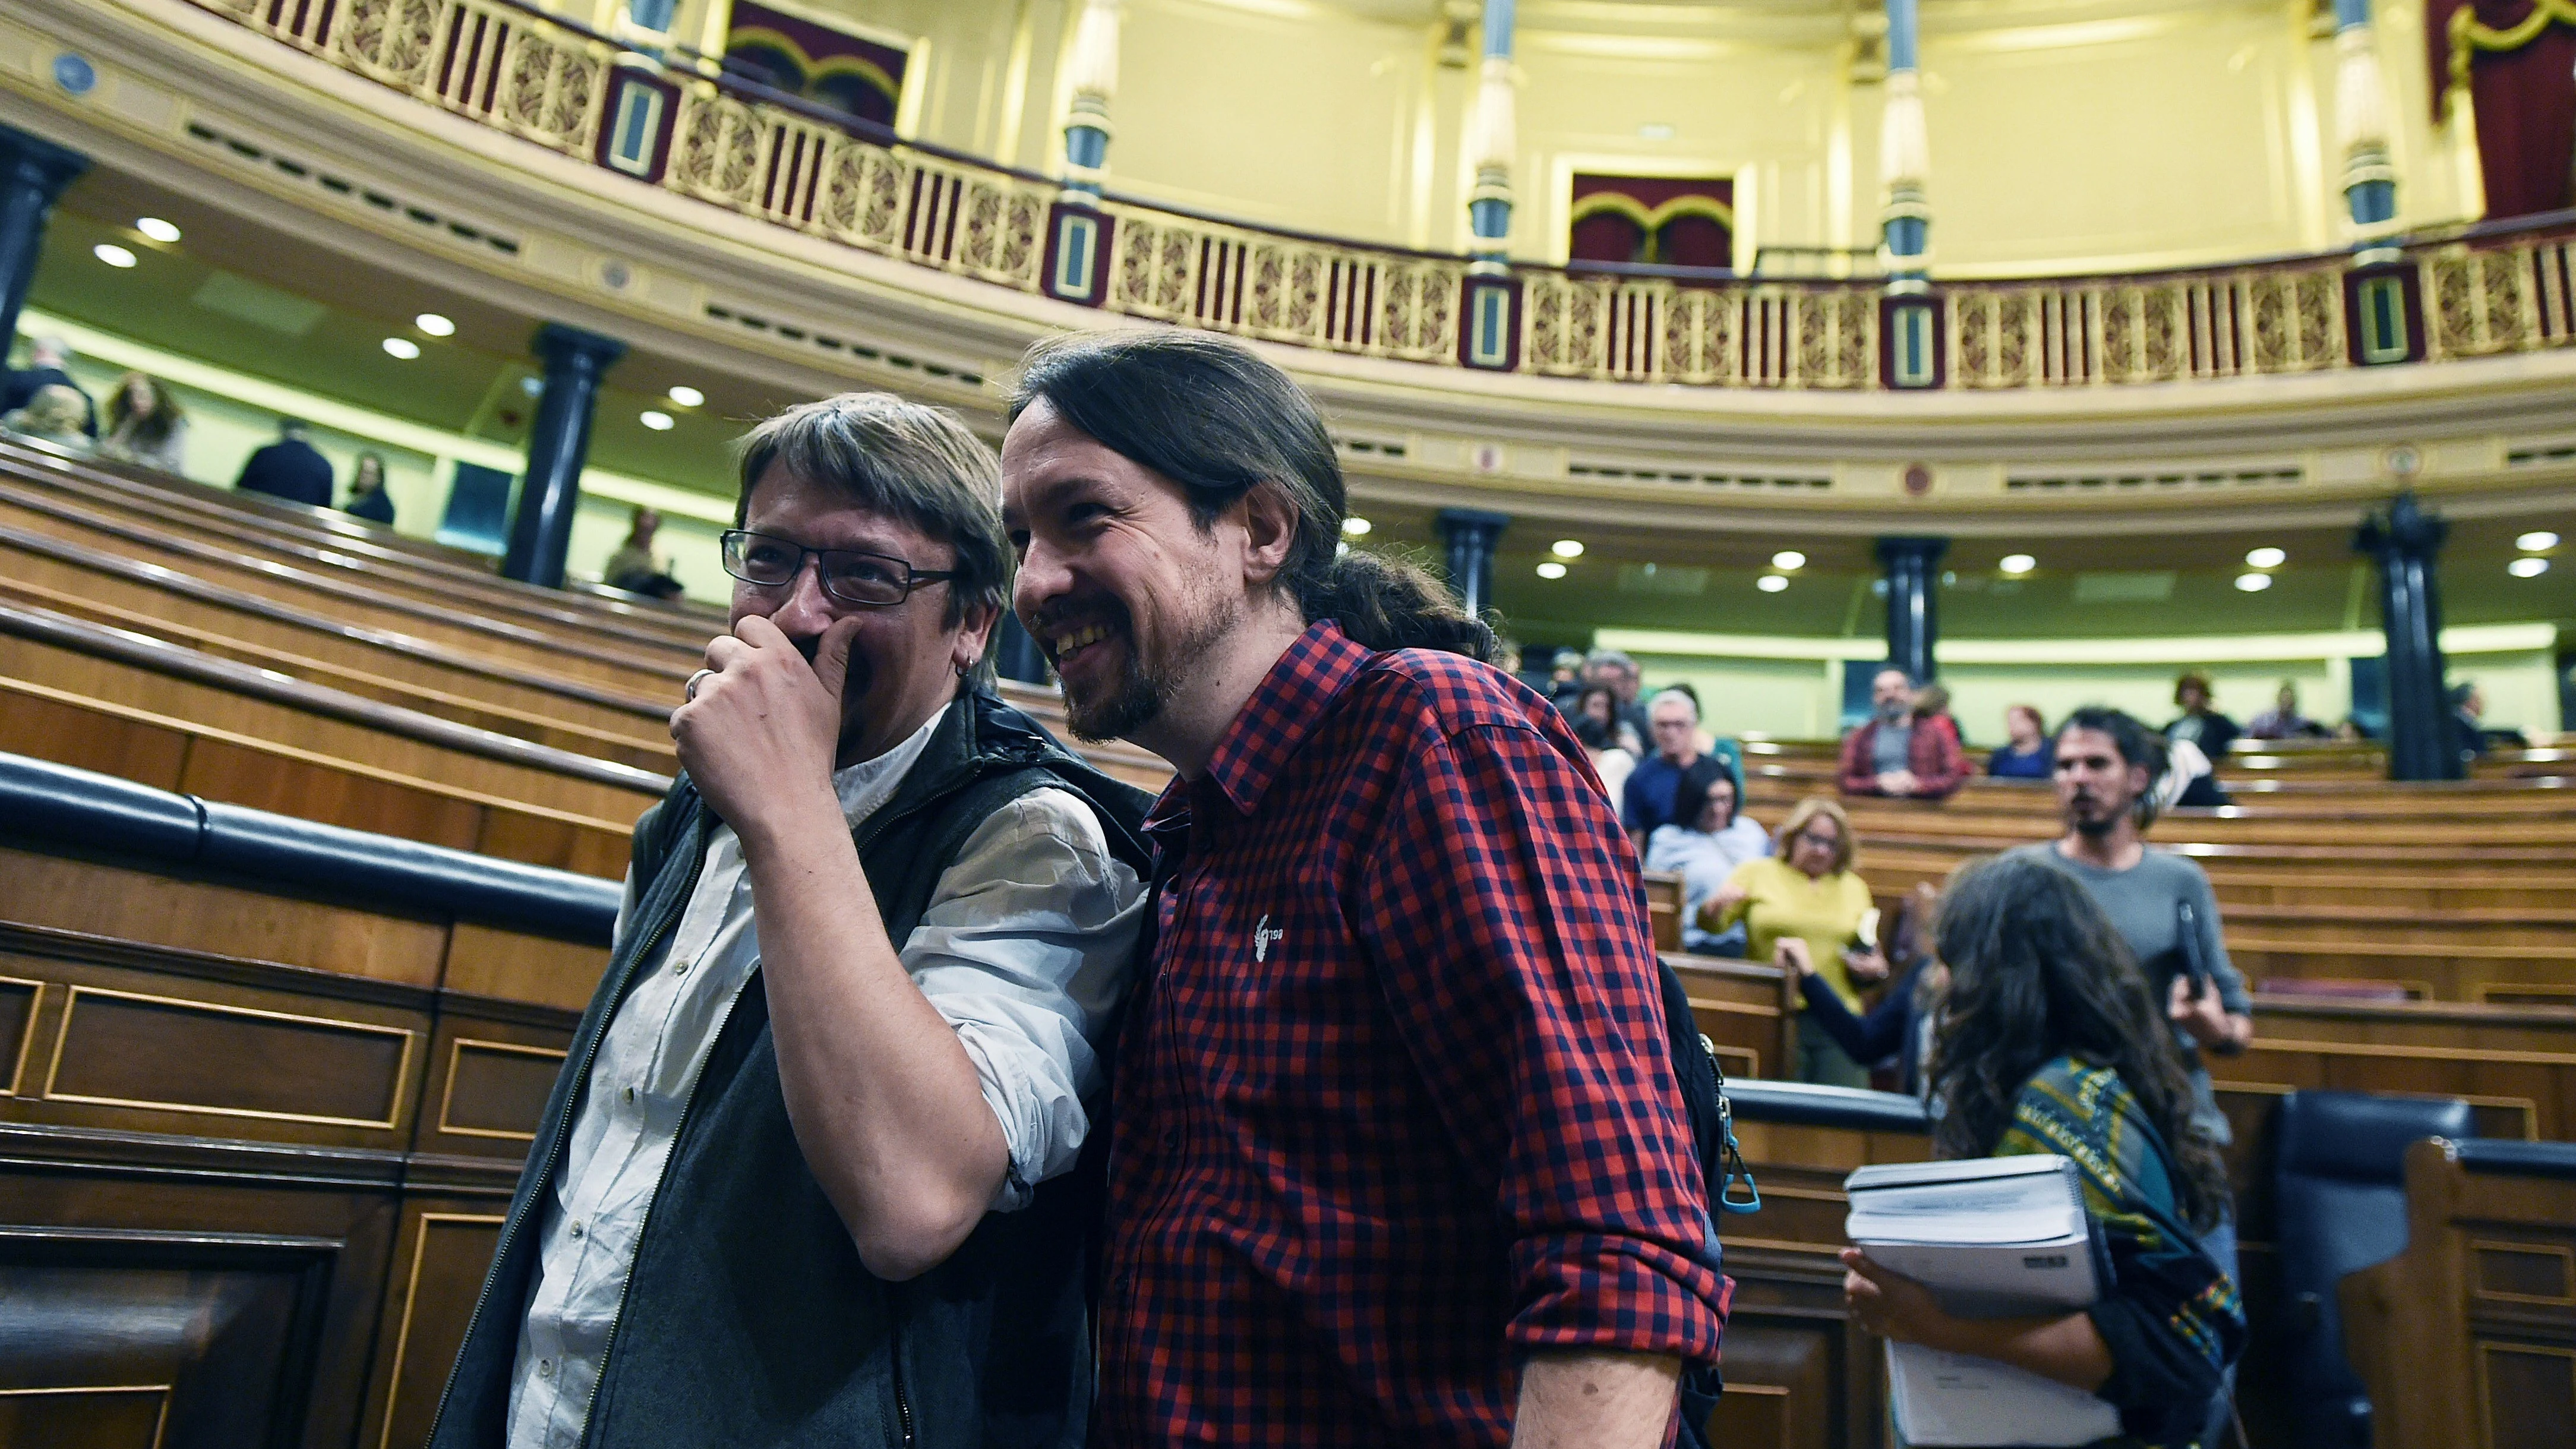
691	688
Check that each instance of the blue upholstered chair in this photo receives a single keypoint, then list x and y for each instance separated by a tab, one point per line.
2340	1206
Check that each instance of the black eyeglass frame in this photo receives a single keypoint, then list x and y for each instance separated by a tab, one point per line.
729	549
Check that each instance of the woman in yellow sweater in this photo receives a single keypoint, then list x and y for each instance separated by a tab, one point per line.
1802	908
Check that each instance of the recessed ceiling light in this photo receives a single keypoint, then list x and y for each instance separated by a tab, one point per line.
1655	131
1567	548
656	419
157	229
1356	527
687	396
112	254
2527	568
1551	569
2254	583
2017	563
402	347
1771	583
1788	560
2539	541
532	386
434	325
2266	558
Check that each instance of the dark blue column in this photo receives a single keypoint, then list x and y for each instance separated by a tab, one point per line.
2404	540
1913	627
1471	534
550	491
33	171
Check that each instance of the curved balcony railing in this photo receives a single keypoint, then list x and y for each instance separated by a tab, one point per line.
759	153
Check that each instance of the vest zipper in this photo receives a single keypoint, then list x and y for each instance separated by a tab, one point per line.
554	1153
902	1403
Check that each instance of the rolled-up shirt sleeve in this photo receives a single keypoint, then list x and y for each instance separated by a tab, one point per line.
1026	949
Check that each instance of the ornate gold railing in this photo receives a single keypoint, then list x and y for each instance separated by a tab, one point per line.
504	64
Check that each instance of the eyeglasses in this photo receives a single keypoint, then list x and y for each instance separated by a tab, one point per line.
1821	842
869	580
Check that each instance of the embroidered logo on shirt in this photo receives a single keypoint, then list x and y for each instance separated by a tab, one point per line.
1262	936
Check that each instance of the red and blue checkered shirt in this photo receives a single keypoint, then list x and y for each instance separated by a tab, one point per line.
1396	1110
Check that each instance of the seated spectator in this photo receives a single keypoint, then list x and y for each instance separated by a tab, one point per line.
49	361
2049	1041
633	567
1707	839
2476	741
1894	754
1565	681
2283	720
1616	669
1932	701
145	425
2186	777
53	416
1803	910
1900	1025
2026	755
290	468
1646	801
2200	723
367	496
1608	743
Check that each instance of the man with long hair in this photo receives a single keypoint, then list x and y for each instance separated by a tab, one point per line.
1398	1155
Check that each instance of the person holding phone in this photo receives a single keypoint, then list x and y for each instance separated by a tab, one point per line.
1804	910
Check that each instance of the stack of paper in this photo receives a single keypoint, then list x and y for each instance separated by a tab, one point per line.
1992	1237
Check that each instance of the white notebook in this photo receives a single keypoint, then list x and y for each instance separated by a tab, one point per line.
1991	1237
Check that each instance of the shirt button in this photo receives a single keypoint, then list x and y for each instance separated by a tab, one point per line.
680	970
630	1094
1171	1139
545	1368
576	1229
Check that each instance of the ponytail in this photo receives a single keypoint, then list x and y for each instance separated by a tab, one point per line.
1218	421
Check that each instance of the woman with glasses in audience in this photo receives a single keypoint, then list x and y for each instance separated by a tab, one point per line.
2049	1041
1707	839
145	425
1803	910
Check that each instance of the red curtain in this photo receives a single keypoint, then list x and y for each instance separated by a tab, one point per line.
2526	105
1671	221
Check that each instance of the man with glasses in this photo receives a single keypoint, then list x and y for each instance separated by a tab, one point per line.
803	1178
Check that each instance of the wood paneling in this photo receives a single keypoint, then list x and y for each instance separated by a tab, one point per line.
439	1262
519	967
153	908
171	1053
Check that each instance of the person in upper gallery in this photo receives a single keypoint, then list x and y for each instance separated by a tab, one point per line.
1646	800
2283	720
146	425
1804	909
1605	741
1894	754
2047	1043
1706	840
2108	765
49	361
290	468
1403	976
634	566
806	1177
2200	723
2025	753
53	416
367	496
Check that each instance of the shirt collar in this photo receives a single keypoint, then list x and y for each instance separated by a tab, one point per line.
1291	700
865	787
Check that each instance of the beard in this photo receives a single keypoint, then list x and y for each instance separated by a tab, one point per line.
2094	819
1146	683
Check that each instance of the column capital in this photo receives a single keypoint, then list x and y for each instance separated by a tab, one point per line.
31	160
1924	549
2404	528
561	346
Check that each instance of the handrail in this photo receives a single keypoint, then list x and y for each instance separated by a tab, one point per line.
1809	1104
2511	1156
50	804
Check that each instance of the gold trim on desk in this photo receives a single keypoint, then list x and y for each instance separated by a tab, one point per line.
393	1106
447	1094
411	1295
160	1425
27	1033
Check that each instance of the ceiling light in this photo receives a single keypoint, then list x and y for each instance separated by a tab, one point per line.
2254	583
655	419
112	254
1356	527
2527	568
402	347
2541	541
1771	583
2266	558
532	386
1567	548
157	229
2017	563
1788	560
1551	569
434	325
687	396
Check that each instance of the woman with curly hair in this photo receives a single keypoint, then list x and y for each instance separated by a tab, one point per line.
2049	1041
146	425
